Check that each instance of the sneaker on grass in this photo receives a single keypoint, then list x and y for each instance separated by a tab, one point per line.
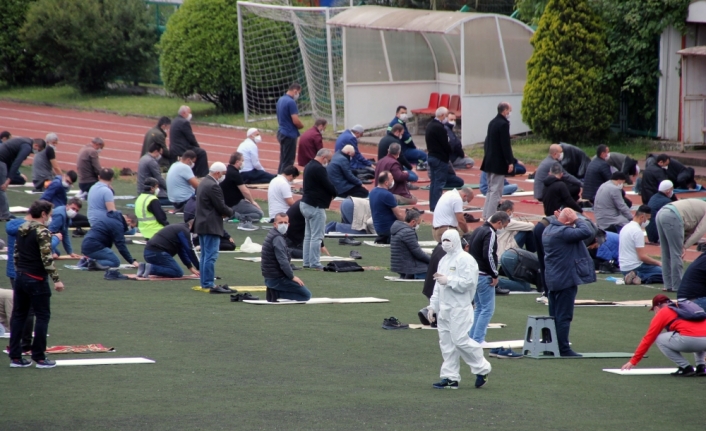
20	363
494	352
247	225
687	371
46	363
509	354
481	380
393	323
446	384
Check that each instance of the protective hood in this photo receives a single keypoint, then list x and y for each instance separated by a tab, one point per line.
452	235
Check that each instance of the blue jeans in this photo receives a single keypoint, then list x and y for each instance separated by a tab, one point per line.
163	264
288	289
508	260
105	257
315	219
54	245
649	274
414	155
519	169
209	255
484	308
256	176
701	302
413	177
525	239
30	293
454	181
438	173
420	276
342	227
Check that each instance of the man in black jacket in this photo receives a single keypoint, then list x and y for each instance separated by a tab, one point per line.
12	153
498	160
318	193
597	173
276	267
161	248
556	192
654	174
439	155
208	223
181	139
158	135
394	136
484	249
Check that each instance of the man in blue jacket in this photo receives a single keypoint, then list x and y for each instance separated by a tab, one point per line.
567	264
56	190
59	227
104	233
410	151
359	164
341	176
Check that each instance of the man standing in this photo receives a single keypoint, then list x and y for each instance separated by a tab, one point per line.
311	142
289	125
44	164
410	151
181	181
158	135
12	153
391	163
148	210
483	246
276	266
182	139
454	288
562	242
252	170
556	154
636	265
100	197
160	250
149	168
211	209
498	160
654	174
675	221
34	265
406	256
383	207
318	193
664	196
439	155
341	176
237	196
99	240
359	165
88	165
611	211
449	213
597	173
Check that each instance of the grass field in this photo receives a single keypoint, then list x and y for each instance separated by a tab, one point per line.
223	365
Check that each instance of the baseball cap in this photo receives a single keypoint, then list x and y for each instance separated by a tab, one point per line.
659	300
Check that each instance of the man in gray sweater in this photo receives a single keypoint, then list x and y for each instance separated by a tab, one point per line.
276	268
612	213
556	154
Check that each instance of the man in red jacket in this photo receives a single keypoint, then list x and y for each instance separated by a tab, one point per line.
310	142
400	176
681	336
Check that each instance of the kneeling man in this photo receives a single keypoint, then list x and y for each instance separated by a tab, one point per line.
276	267
164	245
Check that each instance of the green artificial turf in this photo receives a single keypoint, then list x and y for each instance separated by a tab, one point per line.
223	365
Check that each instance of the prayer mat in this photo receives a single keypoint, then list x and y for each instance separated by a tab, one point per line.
530	193
236	289
641	371
78	268
19	209
350	235
420	326
315	301
599	355
373	244
157	278
109	361
391	278
510	344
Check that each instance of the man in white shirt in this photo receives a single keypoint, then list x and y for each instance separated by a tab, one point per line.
279	194
636	265
252	171
448	213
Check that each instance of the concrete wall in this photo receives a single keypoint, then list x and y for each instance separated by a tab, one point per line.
479	110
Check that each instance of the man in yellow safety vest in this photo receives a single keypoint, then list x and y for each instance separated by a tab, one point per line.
149	212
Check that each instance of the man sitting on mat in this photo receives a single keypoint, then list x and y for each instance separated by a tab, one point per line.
164	245
252	170
406	256
98	241
681	336
276	267
637	266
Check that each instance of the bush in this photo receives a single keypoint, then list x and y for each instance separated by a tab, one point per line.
565	98
92	42
200	54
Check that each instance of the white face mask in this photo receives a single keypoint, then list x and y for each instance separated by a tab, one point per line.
403	117
65	184
189	117
48	221
561	156
447	246
508	115
53	146
392	184
453	123
620	185
257	139
159	157
416	227
282	228
70	213
99	150
665	167
644	224
221	178
156	191
670	194
192	164
607	156
296	96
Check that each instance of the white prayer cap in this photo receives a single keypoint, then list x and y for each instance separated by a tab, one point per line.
665	185
217	167
251	131
357	128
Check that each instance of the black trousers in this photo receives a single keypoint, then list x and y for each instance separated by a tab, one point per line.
356	192
30	293
80	220
573	190
85	187
29	325
201	165
561	307
287	151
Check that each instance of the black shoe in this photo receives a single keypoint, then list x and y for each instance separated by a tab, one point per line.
423	319
79	233
571	353
93	265
481	380
245	296
530	176
470	218
294	267
500	291
355	254
687	371
393	323
701	370
221	289
608	268
348	241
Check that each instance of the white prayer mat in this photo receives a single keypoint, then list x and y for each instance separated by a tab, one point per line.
322	259
372	244
514	194
391	278
532	292
428	250
19	209
136	235
350	235
420	326
641	371
76	267
102	361
510	344
428	243
314	301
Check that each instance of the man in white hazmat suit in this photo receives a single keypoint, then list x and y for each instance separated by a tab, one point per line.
456	281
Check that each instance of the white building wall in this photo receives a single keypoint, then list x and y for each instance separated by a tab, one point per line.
668	96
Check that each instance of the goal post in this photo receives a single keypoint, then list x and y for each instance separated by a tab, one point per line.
280	44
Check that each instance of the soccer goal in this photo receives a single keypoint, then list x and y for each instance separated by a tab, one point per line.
281	44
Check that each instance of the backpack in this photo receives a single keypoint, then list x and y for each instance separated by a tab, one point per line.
687	310
527	268
343	266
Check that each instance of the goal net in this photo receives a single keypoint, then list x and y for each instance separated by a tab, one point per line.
281	44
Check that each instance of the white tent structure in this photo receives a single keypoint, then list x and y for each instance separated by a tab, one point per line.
397	56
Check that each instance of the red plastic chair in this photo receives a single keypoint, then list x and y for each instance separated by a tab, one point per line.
433	104
444	101
455	105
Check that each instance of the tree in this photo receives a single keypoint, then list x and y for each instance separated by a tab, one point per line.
92	42
17	66
565	98
200	53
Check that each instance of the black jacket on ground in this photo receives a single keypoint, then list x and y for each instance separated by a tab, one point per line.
406	256
384	146
651	178
275	257
498	151
318	190
438	141
210	208
597	173
556	195
484	249
181	138
175	239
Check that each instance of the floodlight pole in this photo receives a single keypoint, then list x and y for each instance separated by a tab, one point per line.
331	86
242	63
